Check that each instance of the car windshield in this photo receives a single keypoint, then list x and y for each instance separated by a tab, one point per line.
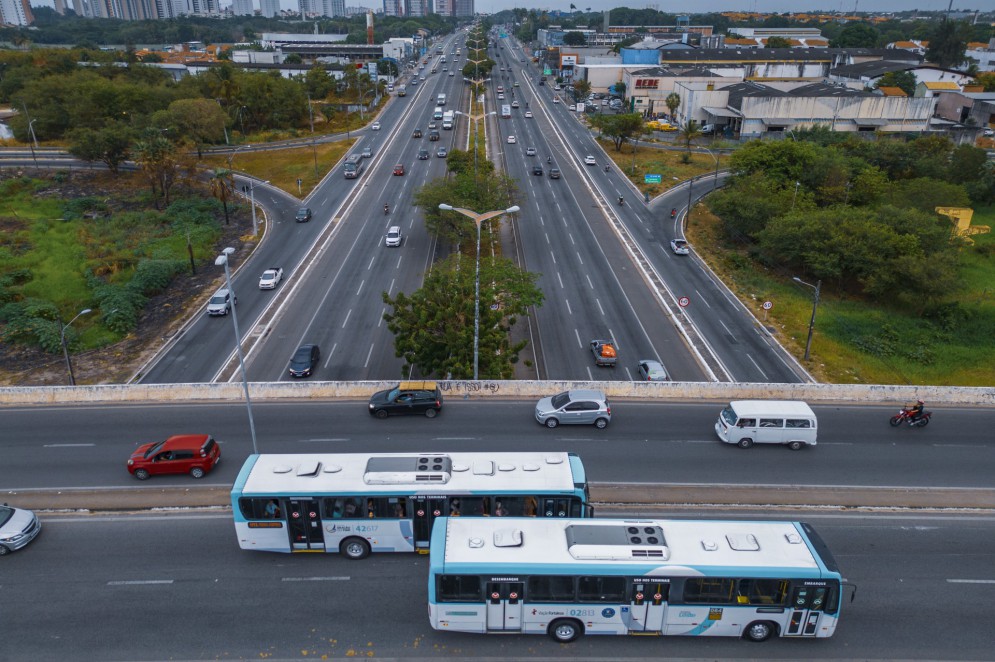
218	298
6	513
560	400
154	449
393	393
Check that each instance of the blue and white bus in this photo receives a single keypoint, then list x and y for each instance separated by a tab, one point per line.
566	578
386	502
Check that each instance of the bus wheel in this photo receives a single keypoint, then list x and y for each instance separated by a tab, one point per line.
565	630
795	445
355	548
759	631
745	443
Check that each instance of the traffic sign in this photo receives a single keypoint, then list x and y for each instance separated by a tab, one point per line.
768	305
684	302
651	179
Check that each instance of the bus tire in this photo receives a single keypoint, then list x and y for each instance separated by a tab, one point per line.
354	549
565	630
745	443
759	631
796	445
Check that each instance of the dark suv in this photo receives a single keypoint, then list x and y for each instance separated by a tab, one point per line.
304	361
303	215
407	398
194	454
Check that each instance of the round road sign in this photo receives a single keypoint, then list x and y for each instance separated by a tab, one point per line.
768	305
684	302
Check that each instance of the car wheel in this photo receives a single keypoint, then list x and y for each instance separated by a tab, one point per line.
381	413
795	445
4	550
745	443
759	631
565	630
197	472
430	413
551	423
355	549
601	423
141	474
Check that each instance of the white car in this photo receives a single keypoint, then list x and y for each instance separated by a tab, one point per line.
393	236
530	151
680	247
270	278
375	126
528	114
589	160
451	74
557	88
512	140
988	133
18	527
652	371
500	96
556	99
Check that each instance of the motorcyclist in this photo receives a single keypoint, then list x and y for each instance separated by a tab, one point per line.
607	168
673	213
549	159
386	209
621	201
915	411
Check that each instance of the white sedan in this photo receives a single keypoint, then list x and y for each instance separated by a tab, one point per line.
375	126
589	160
270	278
528	114
512	140
530	151
680	247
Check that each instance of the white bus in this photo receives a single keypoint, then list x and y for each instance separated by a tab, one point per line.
566	578
386	502
505	111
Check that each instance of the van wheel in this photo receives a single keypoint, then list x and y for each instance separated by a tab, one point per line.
565	630
795	445
759	631
601	423
430	413
551	423
355	549
141	474
197	472
745	443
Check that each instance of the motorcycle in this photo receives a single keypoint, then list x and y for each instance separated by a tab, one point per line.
673	213
386	210
905	416
621	201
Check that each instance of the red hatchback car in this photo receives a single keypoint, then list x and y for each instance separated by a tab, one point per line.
194	454
399	169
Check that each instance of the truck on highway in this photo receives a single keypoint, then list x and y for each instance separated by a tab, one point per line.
448	119
440	100
604	352
402	91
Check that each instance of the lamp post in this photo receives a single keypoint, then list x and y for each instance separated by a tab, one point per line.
222	260
478	220
223	126
795	195
252	197
65	347
815	304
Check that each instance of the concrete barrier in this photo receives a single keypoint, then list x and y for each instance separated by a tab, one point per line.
519	390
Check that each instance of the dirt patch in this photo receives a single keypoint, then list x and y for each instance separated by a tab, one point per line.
163	316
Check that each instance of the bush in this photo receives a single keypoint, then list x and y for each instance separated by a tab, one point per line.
121	305
153	276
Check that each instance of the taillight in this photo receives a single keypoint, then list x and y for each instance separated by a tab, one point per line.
608	410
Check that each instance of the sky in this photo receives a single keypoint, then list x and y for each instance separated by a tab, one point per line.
700	6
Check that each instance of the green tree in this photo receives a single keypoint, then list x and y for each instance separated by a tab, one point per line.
778	42
434	327
904	80
582	88
987	79
158	159
109	145
673	101
856	35
199	120
688	133
318	83
574	39
948	43
293	58
223	188
621	128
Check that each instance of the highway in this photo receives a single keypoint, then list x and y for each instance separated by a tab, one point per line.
646	442
177	587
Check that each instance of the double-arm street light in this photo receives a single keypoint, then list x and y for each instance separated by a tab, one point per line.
478	219
65	347
815	304
222	260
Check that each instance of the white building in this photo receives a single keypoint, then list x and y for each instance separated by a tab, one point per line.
269	8
15	12
242	8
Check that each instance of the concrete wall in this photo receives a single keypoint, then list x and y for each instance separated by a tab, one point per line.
524	390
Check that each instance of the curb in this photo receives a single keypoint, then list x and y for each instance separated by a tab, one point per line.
607	494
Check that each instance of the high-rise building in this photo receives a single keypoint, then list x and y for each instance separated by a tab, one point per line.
269	8
393	8
463	8
15	12
444	7
416	8
242	8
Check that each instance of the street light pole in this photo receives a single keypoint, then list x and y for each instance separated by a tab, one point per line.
34	140
222	260
252	196
815	304
478	220
65	347
797	184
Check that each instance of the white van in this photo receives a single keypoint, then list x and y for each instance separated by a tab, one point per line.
748	422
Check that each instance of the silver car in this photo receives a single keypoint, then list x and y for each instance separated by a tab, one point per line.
577	407
652	371
18	527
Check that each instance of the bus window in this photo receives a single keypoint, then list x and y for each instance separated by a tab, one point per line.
601	589
709	590
460	588
551	588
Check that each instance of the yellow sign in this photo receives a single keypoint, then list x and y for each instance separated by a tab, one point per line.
961	216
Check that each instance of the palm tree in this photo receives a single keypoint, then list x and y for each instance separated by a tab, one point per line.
223	187
689	132
673	101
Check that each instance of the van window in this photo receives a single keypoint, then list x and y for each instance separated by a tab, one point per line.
798	423
747	423
729	416
771	422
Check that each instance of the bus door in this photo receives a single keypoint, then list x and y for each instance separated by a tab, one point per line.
304	524
648	607
426	509
807	606
504	606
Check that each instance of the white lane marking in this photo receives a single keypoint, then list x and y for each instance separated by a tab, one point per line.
140	582
66	445
553	256
346	320
589	281
598	301
372	260
360	287
559	278
569	310
390	290
331	354
382	313
580	259
315	579
368	355
312	441
702	298
971	581
727	329
757	366
454	438
579	343
398	265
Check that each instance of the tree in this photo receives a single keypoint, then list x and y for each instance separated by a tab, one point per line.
621	128
673	101
948	43
574	38
157	157
199	120
223	188
905	80
293	58
856	35
688	133
434	327
987	79
778	42
109	145
582	88
318	83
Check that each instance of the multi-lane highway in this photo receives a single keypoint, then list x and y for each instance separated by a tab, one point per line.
177	587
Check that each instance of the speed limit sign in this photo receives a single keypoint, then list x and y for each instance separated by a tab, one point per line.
768	305
684	302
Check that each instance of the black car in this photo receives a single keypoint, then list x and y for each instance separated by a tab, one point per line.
303	215
433	135
407	398
423	155
554	173
537	169
305	360
416	134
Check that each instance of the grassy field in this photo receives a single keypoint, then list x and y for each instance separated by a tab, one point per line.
667	163
858	343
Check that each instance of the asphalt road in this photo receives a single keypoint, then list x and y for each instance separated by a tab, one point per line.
178	587
80	446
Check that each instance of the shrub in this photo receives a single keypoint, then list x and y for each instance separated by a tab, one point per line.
153	276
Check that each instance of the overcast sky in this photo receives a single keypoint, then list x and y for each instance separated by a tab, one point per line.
700	6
